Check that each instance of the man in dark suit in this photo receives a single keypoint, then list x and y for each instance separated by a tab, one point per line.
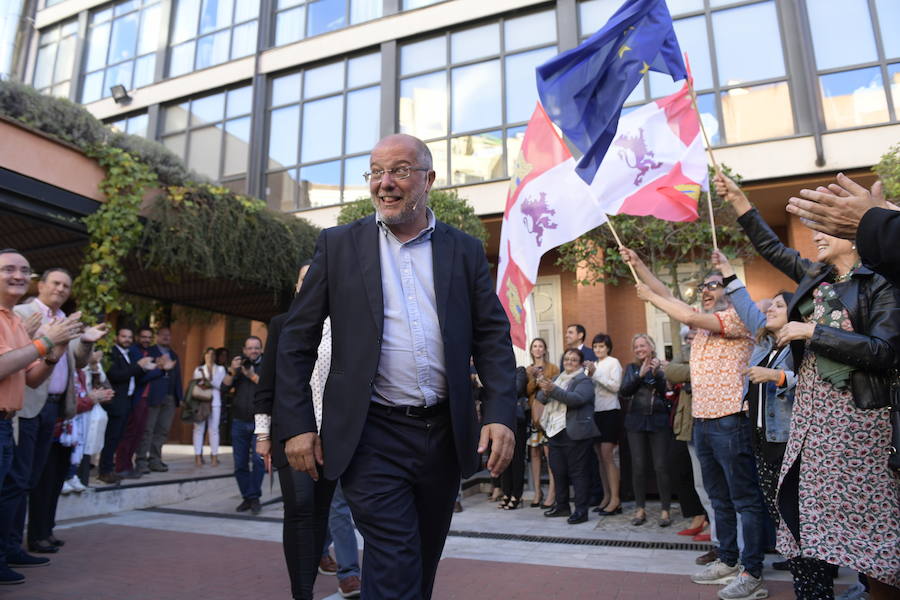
123	373
410	300
163	397
575	336
848	210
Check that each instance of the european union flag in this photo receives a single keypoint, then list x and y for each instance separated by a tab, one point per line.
583	90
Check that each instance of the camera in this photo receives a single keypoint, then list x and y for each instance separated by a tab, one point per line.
247	363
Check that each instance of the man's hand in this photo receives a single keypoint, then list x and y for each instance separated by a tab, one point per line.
92	334
146	363
304	453
264	449
720	262
61	331
165	362
32	324
794	330
235	364
728	189
837	210
502	442
762	374
630	256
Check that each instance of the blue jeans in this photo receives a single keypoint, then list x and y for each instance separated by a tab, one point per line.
35	437
7	449
341	531
729	476
243	445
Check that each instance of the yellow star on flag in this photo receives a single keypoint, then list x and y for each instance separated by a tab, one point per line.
645	69
625	48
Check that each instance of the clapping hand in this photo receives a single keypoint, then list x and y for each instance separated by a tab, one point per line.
32	324
147	363
61	331
101	395
92	334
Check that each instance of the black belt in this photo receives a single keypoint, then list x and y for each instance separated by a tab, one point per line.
416	412
737	414
55	398
7	415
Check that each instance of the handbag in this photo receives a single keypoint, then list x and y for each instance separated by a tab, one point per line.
202	390
96	430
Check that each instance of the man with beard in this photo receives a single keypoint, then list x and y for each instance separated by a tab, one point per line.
164	396
722	429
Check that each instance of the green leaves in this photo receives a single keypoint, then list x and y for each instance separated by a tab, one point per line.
888	169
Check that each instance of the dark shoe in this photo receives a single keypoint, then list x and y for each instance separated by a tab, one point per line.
10	577
665	522
158	467
244	506
349	587
705	559
131	474
55	540
513	504
42	547
558	512
457	508
255	506
504	500
605	512
328	566
637	521
142	468
781	565
23	560
536	503
110	478
578	517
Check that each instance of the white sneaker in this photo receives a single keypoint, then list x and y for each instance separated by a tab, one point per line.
76	484
744	587
67	488
717	573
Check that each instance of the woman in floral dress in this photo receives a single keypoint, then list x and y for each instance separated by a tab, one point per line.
839	501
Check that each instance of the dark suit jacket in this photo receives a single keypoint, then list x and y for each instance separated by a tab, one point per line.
264	400
578	396
344	282
160	384
877	241
119	373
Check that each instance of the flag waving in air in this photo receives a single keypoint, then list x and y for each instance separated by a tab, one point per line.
583	90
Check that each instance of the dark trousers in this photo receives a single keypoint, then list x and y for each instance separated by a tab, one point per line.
115	427
401	485
683	478
512	481
306	504
568	460
131	439
44	497
35	437
156	431
642	445
243	445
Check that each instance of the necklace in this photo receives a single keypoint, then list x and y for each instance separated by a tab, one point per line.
846	276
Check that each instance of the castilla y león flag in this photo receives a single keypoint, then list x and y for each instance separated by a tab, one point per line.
547	205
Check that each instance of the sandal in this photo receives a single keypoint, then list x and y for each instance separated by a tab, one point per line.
504	500
537	502
513	504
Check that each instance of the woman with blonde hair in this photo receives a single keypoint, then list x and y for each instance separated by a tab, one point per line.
537	440
209	375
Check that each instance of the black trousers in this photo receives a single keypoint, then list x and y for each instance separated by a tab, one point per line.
401	485
683	476
43	499
512	481
569	460
115	428
643	444
306	506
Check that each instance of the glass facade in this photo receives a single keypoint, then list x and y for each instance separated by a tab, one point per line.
322	123
122	41
467	92
297	19
136	124
210	32
55	59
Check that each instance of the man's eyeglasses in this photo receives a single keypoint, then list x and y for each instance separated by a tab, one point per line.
10	270
396	173
709	285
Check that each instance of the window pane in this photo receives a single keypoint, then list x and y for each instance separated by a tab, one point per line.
424	55
322	121
97	46
175	118
855	24
124	7
282	4
203	154
706	104
638	94
363	119
476	96
888	17
215	14
176	143
92	89
439	162
475	158
149	38
138	125
410	4
118	75
326	15
237	146
365	10
475	43
530	30
244	41
521	88
741	108
181	60
244	11
65	59
894	82
853	98
143	70
355	186
514	139
213	49
280	190
320	185
208	109
43	70
284	134
239	101
738	29
289	26
364	69
423	105
594	14
693	39
286	89
682	6
185	20
324	80
61	90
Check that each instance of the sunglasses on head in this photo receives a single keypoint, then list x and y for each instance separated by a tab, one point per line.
710	285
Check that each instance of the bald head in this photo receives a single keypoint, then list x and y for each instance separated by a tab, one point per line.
423	154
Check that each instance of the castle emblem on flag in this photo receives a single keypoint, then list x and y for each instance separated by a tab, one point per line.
637	147
539	213
515	302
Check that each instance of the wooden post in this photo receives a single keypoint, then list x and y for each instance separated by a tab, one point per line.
619	242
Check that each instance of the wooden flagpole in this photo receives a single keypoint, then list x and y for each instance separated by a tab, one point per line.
619	242
712	159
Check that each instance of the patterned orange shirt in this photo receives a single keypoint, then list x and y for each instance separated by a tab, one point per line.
718	360
12	337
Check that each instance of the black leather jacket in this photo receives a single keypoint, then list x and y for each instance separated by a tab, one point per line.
872	303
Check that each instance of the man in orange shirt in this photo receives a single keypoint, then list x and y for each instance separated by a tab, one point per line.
22	361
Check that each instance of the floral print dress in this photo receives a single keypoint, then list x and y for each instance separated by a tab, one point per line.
849	500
